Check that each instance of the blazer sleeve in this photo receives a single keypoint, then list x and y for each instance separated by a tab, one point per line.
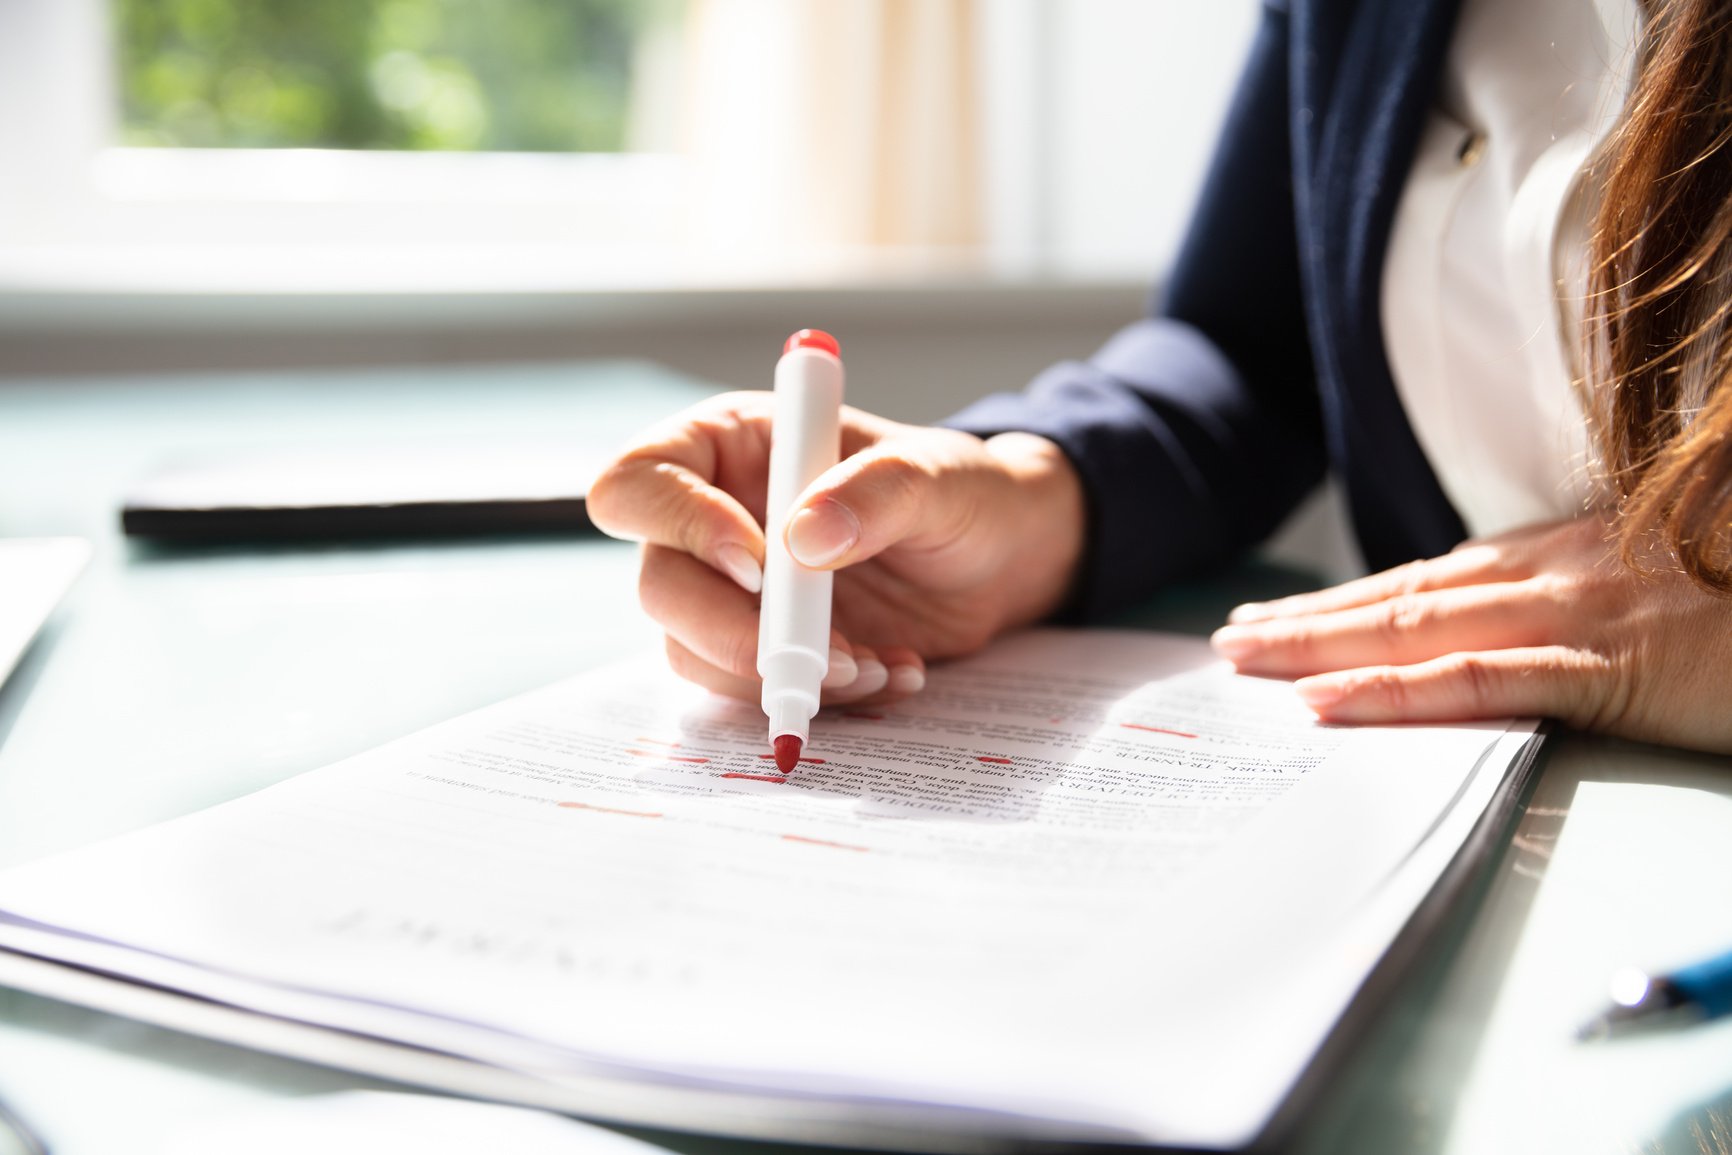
1195	430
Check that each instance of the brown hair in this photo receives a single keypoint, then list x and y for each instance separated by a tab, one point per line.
1658	322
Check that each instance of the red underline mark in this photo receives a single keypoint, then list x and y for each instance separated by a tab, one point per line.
809	761
776	778
864	717
994	761
610	810
823	842
666	757
657	742
1156	729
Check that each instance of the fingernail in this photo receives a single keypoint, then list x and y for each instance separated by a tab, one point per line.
1250	612
1320	693
737	561
821	533
872	677
1234	643
907	679
842	671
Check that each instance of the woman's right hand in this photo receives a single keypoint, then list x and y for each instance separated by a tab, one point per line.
939	540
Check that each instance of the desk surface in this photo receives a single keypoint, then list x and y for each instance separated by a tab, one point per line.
175	679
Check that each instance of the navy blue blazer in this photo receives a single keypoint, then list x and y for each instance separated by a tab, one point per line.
1198	429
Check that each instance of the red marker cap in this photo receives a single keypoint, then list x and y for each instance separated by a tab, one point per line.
813	339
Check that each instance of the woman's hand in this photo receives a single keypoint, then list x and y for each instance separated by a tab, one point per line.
939	541
1544	620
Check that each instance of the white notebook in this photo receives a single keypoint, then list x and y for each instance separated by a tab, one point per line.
1088	885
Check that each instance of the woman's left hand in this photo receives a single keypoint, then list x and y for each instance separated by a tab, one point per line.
1543	620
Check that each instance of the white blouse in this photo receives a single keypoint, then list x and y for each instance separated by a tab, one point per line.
1485	274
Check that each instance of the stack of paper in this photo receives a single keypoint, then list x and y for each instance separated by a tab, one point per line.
1088	883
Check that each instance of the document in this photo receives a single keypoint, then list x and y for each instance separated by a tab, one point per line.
1087	878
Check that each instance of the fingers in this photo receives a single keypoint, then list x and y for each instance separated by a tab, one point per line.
695	669
1540	681
692	491
664	490
712	637
694	485
906	492
1505	626
844	668
866	675
871	678
1400	630
715	622
712	618
1471	563
907	672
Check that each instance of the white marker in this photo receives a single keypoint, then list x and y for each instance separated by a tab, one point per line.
794	625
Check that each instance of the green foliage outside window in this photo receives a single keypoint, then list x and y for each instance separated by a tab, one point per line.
511	75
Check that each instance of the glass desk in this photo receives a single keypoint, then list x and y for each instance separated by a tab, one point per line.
172	679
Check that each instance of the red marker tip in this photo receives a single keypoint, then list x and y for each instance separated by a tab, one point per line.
787	747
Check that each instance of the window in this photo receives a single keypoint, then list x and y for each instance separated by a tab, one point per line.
407	146
465	75
333	145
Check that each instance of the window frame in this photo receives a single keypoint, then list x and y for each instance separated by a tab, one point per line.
81	214
87	212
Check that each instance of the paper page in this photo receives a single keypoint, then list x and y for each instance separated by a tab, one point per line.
35	573
1023	891
1273	1031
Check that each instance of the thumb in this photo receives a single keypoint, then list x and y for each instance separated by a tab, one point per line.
880	497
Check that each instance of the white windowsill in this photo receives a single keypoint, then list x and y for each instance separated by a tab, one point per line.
64	287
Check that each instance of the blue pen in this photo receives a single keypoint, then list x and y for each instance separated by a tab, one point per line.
1692	994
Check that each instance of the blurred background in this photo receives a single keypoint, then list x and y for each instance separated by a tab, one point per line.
964	190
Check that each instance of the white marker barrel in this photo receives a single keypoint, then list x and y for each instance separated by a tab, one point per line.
805	440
